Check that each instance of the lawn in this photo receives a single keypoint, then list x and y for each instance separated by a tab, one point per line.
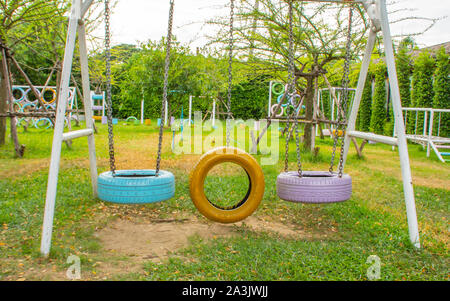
172	241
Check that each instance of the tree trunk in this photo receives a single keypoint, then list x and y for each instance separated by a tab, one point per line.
3	108
309	113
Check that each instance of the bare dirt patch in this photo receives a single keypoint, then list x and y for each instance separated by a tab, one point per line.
157	241
130	243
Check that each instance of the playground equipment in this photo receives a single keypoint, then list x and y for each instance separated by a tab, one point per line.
132	186
377	12
98	105
314	186
331	106
278	89
129	186
427	138
251	201
25	103
132	121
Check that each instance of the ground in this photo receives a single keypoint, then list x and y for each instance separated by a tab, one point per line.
172	241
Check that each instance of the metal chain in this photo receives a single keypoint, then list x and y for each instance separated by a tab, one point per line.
346	84
291	91
293	88
166	86
112	160
230	70
288	136
342	120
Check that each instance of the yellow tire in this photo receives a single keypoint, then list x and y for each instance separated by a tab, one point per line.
243	209
53	96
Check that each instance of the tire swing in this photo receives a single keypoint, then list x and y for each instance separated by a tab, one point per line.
134	186
252	199
316	187
243	208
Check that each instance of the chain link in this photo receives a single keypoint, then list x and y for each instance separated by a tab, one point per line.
345	97
291	93
166	86
112	160
230	71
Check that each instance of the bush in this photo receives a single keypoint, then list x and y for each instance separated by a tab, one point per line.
365	110
422	92
441	89
378	117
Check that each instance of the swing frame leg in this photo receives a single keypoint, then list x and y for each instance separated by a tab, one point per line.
379	16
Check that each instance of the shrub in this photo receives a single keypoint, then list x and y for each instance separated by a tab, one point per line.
441	89
378	117
422	92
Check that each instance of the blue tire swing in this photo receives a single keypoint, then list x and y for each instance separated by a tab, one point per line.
134	186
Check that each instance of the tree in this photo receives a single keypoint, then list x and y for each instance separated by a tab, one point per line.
365	110
250	98
441	89
422	83
378	118
143	76
13	15
404	71
262	39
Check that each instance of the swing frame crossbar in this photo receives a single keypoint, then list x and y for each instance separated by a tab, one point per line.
377	12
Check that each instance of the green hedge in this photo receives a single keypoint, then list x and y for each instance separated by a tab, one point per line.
422	92
378	117
441	98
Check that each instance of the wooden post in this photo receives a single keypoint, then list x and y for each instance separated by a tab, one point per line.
20	149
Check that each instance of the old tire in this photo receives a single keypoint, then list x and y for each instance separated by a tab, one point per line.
314	187
244	208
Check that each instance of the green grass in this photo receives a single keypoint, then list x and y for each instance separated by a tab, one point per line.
373	222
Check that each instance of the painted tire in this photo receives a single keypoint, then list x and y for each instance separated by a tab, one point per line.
53	96
315	187
244	208
279	99
277	91
43	123
293	98
22	94
17	107
133	120
281	112
29	92
136	186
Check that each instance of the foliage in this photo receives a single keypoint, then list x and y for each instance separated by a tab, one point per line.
319	38
378	117
441	90
249	99
404	72
422	93
143	74
365	111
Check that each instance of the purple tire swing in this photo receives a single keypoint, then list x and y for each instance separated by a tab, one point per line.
316	187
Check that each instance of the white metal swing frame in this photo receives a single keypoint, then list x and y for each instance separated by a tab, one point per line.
377	12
